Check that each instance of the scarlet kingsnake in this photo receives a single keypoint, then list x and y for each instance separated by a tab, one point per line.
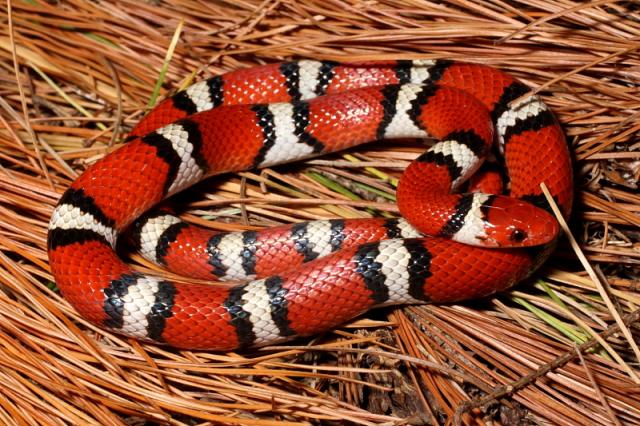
311	277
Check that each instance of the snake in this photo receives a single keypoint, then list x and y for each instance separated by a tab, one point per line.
460	237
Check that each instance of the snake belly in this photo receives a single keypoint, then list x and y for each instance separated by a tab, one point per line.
332	270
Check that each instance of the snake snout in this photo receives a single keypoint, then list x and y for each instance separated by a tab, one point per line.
542	228
514	223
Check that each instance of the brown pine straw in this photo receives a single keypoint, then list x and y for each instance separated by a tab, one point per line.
75	76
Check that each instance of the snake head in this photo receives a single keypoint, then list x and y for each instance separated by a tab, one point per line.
509	222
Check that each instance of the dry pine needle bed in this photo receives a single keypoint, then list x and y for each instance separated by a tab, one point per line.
557	349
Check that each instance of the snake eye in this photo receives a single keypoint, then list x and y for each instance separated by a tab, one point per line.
518	235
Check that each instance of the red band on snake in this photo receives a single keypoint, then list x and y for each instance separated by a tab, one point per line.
310	277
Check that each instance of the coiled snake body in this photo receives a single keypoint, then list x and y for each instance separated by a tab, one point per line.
309	277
